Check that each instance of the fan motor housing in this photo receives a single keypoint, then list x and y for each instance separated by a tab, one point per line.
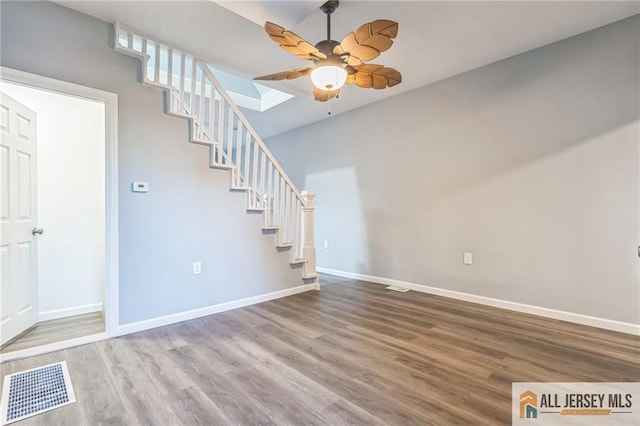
327	46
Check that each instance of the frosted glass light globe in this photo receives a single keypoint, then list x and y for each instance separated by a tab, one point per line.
328	77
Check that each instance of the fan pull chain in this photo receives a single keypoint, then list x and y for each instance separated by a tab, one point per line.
329	102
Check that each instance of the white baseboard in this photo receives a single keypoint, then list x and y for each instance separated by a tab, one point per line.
52	347
209	310
68	312
623	327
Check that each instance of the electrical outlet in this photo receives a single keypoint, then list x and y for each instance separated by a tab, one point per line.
197	267
467	258
326	244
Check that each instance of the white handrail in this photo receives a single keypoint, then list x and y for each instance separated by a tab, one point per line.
253	133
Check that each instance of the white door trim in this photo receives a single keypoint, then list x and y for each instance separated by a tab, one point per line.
111	310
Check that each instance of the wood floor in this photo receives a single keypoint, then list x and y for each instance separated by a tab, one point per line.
57	330
351	354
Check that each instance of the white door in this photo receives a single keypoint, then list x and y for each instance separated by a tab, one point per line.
18	241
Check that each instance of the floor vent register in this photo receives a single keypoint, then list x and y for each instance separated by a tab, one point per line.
31	392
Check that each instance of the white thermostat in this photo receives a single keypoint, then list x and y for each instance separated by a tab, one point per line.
139	187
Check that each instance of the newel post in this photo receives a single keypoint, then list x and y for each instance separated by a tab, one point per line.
308	249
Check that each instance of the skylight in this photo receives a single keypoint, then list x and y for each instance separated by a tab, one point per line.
249	94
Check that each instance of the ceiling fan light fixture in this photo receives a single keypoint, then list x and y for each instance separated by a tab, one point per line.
329	77
337	63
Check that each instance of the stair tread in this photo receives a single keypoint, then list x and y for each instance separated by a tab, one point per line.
220	166
201	142
158	85
177	112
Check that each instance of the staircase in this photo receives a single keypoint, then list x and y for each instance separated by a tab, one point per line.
216	121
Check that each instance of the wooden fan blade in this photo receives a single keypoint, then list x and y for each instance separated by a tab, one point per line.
364	53
339	51
324	95
286	75
368	68
353	61
348	42
368	41
386	27
376	76
292	43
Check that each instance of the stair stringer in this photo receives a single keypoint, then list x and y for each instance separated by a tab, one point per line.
286	233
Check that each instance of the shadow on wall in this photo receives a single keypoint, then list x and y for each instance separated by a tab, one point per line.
530	162
337	210
485	122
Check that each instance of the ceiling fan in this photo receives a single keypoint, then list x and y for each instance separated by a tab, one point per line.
337	63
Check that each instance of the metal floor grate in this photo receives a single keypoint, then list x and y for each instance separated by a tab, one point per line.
35	391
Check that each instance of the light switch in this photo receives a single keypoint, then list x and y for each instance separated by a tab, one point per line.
467	258
139	187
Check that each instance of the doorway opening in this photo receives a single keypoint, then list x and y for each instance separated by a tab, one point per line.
74	217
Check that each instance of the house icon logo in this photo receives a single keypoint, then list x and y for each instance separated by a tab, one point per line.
528	405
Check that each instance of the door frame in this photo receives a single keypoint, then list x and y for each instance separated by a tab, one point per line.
111	290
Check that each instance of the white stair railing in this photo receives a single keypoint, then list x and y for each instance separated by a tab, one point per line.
205	134
194	93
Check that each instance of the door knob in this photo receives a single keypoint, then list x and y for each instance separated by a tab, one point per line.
37	231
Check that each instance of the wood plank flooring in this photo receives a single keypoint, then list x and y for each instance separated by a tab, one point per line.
352	354
57	330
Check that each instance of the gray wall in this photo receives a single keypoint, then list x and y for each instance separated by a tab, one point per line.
189	214
530	163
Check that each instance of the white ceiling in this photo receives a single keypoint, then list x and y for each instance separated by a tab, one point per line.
436	40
